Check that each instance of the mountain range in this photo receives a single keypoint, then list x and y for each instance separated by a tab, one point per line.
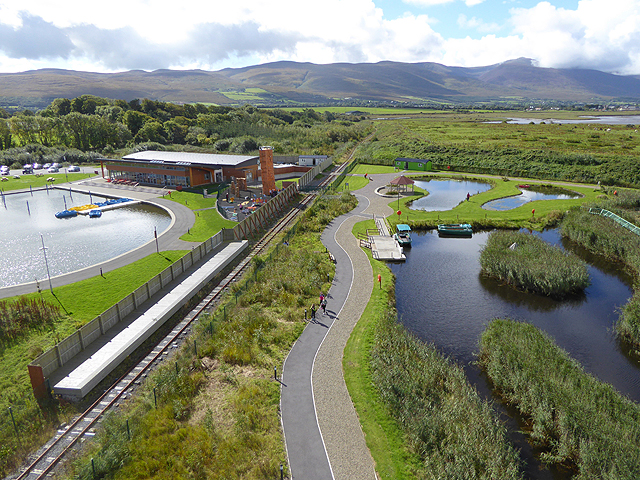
291	83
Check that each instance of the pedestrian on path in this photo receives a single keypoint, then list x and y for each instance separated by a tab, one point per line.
323	304
321	297
313	312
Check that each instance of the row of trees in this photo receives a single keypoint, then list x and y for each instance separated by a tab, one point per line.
94	124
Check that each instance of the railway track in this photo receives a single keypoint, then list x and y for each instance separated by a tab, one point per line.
66	438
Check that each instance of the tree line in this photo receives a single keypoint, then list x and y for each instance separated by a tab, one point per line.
98	126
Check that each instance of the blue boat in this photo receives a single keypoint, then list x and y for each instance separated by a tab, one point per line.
67	214
403	234
95	213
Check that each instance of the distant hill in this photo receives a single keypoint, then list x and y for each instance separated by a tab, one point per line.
292	83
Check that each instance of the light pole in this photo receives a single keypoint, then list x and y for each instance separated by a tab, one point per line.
44	251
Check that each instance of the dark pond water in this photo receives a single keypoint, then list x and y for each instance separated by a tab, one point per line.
443	299
71	243
527	196
446	194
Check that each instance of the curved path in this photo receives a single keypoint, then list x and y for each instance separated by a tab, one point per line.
323	436
182	219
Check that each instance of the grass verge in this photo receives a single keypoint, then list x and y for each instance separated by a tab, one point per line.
580	423
420	416
217	403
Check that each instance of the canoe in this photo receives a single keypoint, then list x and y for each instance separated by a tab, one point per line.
455	230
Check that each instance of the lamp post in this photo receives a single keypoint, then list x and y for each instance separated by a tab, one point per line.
44	251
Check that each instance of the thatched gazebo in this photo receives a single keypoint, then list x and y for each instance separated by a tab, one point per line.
400	184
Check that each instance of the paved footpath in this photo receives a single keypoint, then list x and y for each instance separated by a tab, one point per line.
322	432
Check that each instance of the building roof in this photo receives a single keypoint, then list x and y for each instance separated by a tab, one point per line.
402	180
190	159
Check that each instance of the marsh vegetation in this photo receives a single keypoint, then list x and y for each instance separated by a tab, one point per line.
527	262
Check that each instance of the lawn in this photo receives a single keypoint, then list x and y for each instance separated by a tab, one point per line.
472	212
26	181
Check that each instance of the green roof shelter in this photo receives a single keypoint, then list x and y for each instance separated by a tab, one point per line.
414	164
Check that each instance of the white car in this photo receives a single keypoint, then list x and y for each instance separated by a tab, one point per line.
46	166
4	170
73	168
52	170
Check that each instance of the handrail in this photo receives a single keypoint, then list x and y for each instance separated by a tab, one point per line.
616	218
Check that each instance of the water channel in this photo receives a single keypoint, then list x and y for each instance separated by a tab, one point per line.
442	297
71	243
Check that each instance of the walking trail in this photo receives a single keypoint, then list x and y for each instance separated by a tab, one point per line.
322	432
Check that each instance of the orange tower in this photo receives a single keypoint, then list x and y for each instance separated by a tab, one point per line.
266	165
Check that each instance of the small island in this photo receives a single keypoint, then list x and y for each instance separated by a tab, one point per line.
527	262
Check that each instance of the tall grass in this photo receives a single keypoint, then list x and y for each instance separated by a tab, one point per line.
22	314
580	423
527	262
605	237
217	408
454	433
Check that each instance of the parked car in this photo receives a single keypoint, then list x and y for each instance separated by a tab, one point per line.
4	170
37	166
46	166
28	168
73	168
57	165
52	170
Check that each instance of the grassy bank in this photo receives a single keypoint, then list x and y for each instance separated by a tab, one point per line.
527	262
604	237
218	416
33	425
581	424
420	416
547	212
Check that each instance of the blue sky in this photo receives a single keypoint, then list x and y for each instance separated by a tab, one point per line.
213	34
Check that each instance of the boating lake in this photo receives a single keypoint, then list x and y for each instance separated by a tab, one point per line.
71	243
443	299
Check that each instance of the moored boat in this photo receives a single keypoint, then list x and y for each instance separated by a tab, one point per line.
95	213
455	230
66	214
403	234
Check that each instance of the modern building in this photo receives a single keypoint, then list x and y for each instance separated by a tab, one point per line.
413	164
311	160
183	169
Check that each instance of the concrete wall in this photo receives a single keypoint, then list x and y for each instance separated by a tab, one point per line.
64	351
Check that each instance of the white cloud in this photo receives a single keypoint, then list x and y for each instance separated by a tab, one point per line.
149	34
478	24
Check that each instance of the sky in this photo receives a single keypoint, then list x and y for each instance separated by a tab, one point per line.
121	35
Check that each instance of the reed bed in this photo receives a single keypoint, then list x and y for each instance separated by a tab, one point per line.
580	423
602	236
527	262
453	432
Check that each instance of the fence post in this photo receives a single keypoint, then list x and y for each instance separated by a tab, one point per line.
14	423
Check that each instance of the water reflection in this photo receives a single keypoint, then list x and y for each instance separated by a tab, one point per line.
529	195
446	194
442	297
72	243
